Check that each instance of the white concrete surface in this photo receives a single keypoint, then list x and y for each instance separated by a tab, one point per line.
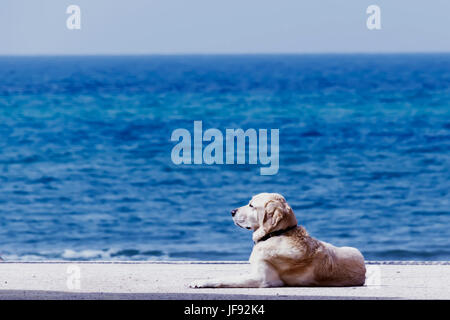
160	280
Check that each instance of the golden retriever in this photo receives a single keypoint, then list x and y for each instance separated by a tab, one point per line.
285	255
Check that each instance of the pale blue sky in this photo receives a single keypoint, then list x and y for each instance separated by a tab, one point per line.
222	26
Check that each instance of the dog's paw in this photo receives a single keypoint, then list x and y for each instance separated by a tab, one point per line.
199	284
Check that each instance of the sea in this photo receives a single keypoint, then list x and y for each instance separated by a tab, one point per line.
86	171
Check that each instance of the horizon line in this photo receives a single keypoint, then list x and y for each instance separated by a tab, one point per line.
224	54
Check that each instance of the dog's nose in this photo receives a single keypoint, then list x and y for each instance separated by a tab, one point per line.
233	212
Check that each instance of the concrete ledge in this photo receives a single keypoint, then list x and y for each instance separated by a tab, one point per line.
168	280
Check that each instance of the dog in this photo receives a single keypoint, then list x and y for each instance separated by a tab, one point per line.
285	255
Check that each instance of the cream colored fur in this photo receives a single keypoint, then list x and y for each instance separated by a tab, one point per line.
292	258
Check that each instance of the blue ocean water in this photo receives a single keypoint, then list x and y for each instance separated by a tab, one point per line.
86	173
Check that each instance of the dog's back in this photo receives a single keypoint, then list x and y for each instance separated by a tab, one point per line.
339	266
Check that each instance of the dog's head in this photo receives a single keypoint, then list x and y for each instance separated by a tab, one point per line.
265	213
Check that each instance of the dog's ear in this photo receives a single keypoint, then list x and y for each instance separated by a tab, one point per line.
277	214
